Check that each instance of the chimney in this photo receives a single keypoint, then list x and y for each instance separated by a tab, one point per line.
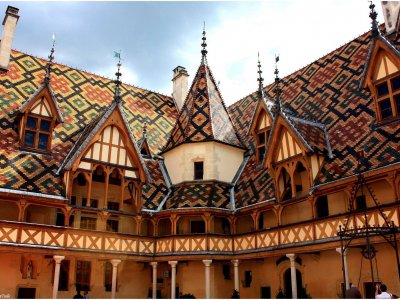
180	82
9	23
391	15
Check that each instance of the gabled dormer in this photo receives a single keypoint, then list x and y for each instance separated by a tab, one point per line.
39	115
260	129
143	144
37	118
382	76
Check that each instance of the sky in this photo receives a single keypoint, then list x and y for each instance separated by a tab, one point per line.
155	37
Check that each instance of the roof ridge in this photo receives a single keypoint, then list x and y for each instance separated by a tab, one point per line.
90	73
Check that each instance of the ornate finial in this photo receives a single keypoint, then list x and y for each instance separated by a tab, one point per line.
260	79
373	14
117	96
50	61
277	88
204	45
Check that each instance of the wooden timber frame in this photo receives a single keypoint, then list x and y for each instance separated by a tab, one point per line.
350	232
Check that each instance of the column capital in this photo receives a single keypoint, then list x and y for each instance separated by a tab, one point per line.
58	258
235	262
291	256
115	262
173	263
207	262
339	250
154	264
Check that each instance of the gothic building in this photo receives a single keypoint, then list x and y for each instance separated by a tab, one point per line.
292	191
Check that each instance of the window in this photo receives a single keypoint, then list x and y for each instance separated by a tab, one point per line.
60	218
198	170
37	133
261	140
82	278
113	205
322	207
388	97
88	223
93	202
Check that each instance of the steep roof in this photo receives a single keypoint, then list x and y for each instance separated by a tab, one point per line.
204	116
326	91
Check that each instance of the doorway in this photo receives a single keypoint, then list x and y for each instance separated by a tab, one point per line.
288	284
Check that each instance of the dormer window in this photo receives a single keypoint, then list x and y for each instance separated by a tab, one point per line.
37	132
261	134
388	97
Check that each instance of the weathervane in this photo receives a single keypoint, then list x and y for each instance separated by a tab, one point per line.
50	61
373	14
277	88
117	96
204	45
260	79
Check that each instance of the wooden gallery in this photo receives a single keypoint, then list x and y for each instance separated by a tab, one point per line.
292	191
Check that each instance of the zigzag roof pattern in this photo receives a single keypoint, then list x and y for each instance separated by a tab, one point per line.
203	116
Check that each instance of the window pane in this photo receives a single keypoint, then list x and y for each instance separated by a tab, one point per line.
29	138
261	138
396	83
43	140
397	100
386	108
382	89
45	125
198	170
31	122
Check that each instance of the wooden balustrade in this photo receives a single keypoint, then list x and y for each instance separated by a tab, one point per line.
71	238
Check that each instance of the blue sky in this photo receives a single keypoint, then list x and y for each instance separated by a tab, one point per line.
155	37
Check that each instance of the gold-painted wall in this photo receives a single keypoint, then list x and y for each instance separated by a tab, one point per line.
221	162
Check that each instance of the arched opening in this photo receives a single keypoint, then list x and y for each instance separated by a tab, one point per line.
164	227
114	190
244	224
192	224
40	214
9	211
301	180
267	219
80	188
296	212
147	228
285	185
221	225
288	284
98	186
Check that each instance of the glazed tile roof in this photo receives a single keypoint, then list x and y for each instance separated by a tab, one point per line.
203	116
199	194
81	98
327	91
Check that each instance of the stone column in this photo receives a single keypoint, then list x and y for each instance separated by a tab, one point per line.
154	289
173	264
56	279
339	250
115	263
235	263
292	258
207	264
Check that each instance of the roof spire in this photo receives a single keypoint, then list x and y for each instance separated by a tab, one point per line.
204	45
260	79
277	88
373	14
50	61
117	96
145	130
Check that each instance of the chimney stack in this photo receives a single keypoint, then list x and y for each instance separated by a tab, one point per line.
9	23
180	83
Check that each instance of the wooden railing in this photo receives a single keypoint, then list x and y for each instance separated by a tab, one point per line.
26	234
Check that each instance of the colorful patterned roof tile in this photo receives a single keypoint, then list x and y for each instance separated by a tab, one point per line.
204	116
199	194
